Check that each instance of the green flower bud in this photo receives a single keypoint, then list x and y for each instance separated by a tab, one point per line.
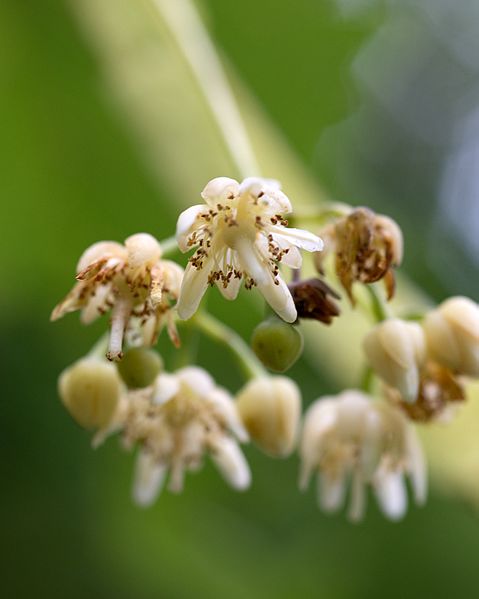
139	367
277	344
90	390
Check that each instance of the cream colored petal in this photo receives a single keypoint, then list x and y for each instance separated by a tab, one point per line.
148	479
251	261
165	387
417	466
230	461
186	225
143	250
357	504
96	305
299	237
197	379
193	287
99	250
279	298
225	404
391	494
331	492
219	190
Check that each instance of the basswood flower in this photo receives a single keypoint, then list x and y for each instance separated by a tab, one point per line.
270	408
452	334
367	247
133	282
241	234
396	349
176	421
352	438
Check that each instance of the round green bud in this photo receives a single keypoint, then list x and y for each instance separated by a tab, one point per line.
277	344
90	390
139	367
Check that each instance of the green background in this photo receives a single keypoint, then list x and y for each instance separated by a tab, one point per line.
70	175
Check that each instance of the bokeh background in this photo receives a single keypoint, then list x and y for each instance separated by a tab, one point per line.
103	133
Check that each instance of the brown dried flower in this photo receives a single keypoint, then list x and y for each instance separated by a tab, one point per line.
314	299
367	247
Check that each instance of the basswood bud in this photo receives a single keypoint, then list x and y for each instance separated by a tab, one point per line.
90	390
277	344
270	408
396	351
139	367
452	335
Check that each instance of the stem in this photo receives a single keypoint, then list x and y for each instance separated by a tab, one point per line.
169	246
379	308
367	379
193	40
221	333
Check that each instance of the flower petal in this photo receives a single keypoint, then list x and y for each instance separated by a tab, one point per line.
279	298
299	237
230	461
148	479
391	494
186	225
193	287
219	190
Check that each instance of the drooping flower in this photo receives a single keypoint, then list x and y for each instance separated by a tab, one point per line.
367	247
175	422
270	408
351	437
133	282
396	349
241	234
452	334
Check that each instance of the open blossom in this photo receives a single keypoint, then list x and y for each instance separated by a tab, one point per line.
176	421
350	437
133	282
241	234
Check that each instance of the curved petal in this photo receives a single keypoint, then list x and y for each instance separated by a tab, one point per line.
230	461
219	190
299	237
193	287
185	225
251	261
279	298
391	494
198	379
148	479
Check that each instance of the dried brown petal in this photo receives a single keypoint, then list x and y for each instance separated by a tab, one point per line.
314	299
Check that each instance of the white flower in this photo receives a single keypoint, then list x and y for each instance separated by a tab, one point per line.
452	333
396	349
351	437
133	282
182	417
270	408
240	234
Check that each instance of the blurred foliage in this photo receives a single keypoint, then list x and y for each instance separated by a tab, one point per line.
72	173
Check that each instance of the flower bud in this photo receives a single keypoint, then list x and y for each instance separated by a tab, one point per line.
277	344
270	408
90	390
452	335
139	367
396	350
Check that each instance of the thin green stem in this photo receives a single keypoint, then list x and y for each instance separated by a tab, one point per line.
192	38
221	333
367	379
169	246
379	309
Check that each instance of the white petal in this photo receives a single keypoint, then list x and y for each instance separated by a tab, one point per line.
391	494
148	479
279	298
219	190
358	498
331	492
299	237
193	288
185	225
92	310
225	404
251	262
231	462
166	387
230	292
197	379
417	466
101	249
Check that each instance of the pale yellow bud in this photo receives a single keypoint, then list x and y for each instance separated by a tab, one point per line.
396	351
90	390
270	408
143	250
452	335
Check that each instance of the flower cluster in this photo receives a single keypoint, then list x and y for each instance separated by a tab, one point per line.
239	234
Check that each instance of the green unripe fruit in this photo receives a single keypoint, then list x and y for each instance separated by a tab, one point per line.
277	344
140	367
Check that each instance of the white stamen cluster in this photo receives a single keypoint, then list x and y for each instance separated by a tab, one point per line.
241	234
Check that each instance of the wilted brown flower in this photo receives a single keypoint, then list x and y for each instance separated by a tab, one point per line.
439	391
367	247
314	299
